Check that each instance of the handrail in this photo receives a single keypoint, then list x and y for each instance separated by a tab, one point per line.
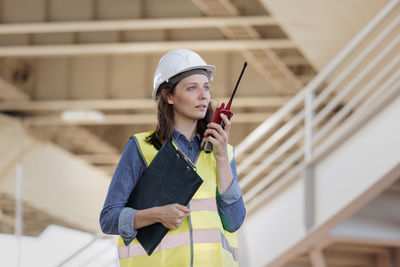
298	141
267	125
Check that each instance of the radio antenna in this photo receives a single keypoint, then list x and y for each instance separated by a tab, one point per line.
237	84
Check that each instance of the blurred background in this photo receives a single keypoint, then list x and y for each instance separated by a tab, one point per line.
316	121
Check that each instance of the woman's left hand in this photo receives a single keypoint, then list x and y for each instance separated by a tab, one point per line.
219	137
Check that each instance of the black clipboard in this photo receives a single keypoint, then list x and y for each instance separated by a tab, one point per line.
170	178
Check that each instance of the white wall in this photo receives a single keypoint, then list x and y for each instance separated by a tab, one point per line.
342	178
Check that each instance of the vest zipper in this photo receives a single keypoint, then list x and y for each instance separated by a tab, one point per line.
193	165
191	238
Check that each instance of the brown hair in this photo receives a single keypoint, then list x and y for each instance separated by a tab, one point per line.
166	123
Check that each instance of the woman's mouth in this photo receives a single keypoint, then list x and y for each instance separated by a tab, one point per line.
202	107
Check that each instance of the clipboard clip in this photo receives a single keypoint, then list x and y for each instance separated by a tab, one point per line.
187	159
183	155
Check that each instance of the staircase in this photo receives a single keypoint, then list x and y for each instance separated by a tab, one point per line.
309	170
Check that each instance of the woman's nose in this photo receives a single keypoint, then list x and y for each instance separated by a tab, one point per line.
204	93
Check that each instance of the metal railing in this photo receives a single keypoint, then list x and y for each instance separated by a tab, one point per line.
346	93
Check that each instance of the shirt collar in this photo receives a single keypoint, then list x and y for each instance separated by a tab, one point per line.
176	135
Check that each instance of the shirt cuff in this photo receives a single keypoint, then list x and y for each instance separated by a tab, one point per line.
231	195
125	225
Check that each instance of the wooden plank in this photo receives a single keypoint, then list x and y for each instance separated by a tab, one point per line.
136	24
141	47
128	119
129	104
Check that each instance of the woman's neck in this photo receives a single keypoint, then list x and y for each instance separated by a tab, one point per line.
187	128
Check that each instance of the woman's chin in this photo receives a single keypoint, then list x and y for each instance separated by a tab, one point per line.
199	115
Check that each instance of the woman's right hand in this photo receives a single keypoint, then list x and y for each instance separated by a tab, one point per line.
172	215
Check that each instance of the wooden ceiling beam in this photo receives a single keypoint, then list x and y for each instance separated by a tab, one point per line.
130	119
136	24
129	104
141	47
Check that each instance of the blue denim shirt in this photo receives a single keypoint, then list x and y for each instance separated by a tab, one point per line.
116	219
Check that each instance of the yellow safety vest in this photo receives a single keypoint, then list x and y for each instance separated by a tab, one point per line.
201	239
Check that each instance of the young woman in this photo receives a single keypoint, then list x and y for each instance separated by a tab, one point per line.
204	232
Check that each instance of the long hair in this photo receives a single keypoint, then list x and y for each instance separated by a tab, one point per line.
166	123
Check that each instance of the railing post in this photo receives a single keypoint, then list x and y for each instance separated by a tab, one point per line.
308	172
19	220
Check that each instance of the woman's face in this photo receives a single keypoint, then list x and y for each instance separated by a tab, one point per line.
191	98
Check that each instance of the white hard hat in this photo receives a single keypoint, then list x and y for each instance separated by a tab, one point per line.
179	61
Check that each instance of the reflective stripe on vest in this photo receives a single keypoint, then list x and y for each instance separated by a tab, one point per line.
204	234
181	239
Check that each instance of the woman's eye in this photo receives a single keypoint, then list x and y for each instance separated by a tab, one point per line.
191	88
207	88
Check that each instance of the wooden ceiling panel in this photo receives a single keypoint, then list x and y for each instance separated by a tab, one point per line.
14	40
61	10
170	9
144	36
97	37
253	84
23	11
89	78
119	9
54	38
20	73
52	78
129	77
198	34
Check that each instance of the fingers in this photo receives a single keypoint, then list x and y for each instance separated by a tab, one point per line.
182	208
174	215
226	121
179	211
216	135
218	127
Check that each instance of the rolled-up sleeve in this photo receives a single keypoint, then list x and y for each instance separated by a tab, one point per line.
115	218
125	225
230	204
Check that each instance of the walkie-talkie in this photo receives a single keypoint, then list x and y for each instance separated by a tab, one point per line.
207	146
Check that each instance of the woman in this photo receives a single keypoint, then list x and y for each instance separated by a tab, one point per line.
204	233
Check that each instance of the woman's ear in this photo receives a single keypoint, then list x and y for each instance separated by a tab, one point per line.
170	99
